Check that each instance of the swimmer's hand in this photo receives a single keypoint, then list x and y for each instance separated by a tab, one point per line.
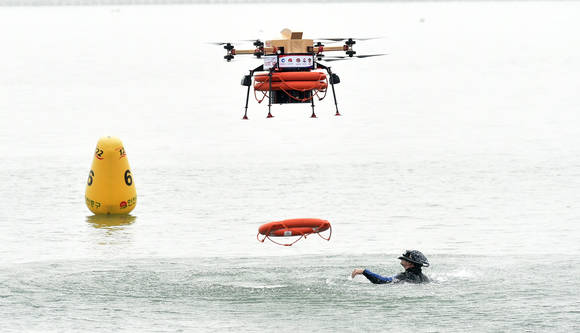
356	272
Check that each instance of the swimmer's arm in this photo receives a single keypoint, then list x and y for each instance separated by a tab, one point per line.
376	278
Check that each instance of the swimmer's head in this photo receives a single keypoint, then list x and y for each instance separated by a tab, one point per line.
414	257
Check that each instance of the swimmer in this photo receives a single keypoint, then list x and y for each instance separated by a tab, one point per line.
412	261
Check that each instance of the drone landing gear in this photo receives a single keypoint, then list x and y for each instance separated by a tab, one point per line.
247	81
247	98
333	78
333	93
270	95
313	114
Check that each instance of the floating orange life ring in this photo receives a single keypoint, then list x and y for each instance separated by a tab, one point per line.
294	227
292	76
291	85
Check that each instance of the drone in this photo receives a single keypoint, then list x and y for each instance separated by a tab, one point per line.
292	71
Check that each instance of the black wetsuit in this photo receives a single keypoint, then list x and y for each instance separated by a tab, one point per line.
411	275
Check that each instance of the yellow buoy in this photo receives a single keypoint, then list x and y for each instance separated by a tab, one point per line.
110	188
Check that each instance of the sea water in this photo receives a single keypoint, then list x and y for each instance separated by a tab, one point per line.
462	142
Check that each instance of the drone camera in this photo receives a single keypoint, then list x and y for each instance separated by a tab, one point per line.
334	79
246	80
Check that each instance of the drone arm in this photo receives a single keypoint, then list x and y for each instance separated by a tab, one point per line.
236	52
329	48
266	50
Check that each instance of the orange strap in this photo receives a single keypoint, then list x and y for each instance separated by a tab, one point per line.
302	99
284	244
260	100
329	235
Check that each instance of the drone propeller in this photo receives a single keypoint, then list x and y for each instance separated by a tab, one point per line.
337	58
340	39
231	51
216	43
256	42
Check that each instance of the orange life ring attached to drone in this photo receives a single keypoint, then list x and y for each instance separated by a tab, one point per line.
301	81
292	76
293	227
291	85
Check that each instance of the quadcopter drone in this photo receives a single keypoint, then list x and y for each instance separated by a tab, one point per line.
290	73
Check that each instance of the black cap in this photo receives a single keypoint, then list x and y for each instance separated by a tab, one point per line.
416	257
